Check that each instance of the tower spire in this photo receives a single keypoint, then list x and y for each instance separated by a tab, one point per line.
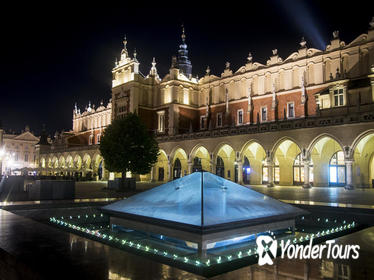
183	63
183	35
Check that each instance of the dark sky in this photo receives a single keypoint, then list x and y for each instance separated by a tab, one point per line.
54	56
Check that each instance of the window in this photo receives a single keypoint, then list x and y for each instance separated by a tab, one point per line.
337	169
16	157
90	140
161	121
339	97
26	157
264	114
98	137
290	110
240	117
219	120
202	122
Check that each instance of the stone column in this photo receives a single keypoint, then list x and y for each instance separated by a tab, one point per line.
190	164
348	168
212	167
269	164
169	171
240	172
306	175
152	174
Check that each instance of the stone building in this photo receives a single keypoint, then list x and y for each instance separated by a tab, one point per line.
18	153
302	120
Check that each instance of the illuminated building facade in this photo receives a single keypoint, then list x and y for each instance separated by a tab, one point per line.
17	152
303	120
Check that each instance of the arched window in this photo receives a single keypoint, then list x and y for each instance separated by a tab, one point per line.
177	169
298	171
220	168
197	164
246	171
337	169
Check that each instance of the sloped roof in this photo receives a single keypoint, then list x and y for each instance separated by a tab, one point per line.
224	202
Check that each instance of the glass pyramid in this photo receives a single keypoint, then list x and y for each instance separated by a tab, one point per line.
222	202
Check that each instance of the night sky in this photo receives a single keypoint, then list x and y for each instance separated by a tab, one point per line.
54	56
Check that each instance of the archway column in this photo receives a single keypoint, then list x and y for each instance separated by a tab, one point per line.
348	168
190	164
269	164
152	174
213	167
169	170
306	184
240	172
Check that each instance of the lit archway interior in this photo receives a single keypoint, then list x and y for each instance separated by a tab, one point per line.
363	167
160	169
201	159
78	162
69	162
284	158
180	164
227	155
87	162
327	162
255	154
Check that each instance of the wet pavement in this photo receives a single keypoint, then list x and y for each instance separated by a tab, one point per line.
363	197
40	251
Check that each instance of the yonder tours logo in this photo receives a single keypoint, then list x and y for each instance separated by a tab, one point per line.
267	250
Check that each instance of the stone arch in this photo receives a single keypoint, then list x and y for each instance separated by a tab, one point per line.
202	153
78	162
284	154
87	162
54	162
362	153
227	154
321	150
255	153
182	168
43	163
69	162
160	168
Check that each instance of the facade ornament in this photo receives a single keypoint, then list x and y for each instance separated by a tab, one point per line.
227	65
302	85
124	53
250	97
207	71
335	34
275	52
153	71
207	107
274	99
249	58
135	54
227	100
302	43
116	62
75	108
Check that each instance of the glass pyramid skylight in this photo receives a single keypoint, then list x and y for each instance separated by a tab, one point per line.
202	199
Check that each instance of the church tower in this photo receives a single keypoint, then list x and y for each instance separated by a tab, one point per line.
183	63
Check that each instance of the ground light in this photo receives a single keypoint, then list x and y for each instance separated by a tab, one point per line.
217	260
